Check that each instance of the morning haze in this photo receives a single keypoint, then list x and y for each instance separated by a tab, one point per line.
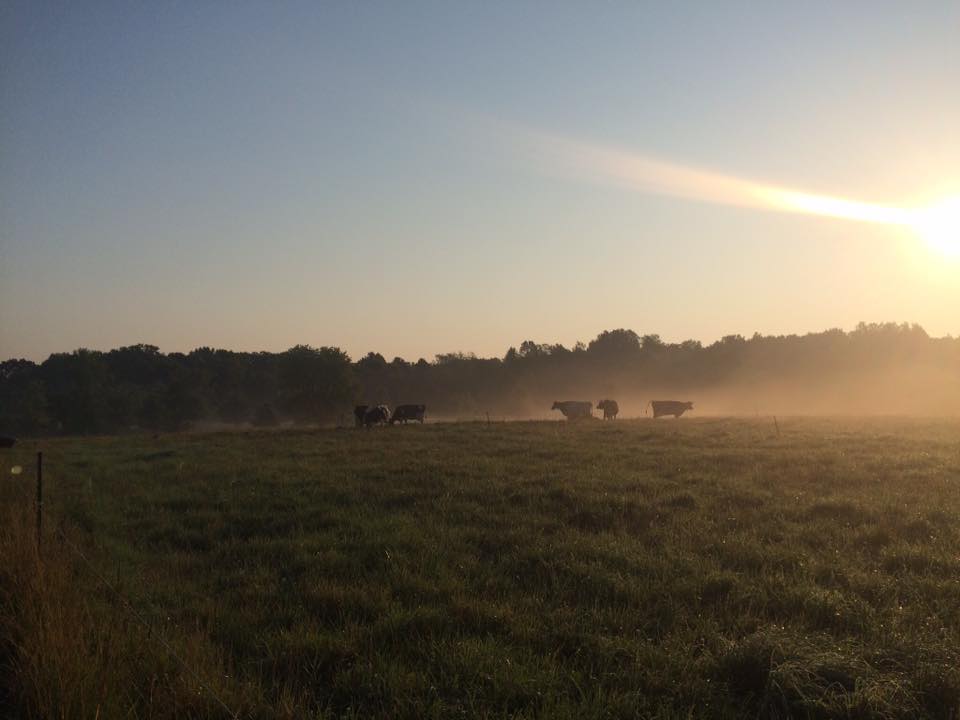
495	361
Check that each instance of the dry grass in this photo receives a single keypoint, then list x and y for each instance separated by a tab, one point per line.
72	649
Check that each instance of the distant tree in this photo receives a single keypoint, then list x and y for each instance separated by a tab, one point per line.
77	386
615	344
530	349
142	365
372	361
651	343
315	384
454	357
184	400
17	369
23	400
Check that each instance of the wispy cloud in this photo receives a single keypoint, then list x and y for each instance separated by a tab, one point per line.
599	163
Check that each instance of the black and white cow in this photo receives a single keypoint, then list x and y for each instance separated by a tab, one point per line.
376	415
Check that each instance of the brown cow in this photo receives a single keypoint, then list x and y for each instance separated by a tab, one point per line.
403	413
610	409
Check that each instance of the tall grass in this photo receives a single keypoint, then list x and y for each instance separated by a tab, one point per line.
60	659
629	569
69	648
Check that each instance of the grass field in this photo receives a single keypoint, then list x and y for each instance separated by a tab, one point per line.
641	568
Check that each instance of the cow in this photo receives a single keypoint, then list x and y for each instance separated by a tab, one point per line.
7	442
670	407
404	413
610	409
574	409
376	415
359	413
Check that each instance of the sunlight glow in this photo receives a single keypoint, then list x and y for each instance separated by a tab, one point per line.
824	206
938	224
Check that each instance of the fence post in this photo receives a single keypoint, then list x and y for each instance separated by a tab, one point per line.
39	498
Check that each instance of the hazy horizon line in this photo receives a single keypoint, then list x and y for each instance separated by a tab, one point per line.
354	356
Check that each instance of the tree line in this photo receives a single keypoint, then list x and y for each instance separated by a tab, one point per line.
140	388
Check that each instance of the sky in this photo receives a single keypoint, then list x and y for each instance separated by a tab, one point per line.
419	178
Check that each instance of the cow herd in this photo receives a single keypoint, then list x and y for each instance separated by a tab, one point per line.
369	415
579	409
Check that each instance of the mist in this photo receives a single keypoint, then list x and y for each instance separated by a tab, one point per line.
918	390
876	369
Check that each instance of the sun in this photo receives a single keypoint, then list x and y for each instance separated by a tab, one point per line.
939	226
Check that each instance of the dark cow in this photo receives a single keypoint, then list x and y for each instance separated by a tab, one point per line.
610	409
7	442
376	415
574	409
359	413
670	407
404	413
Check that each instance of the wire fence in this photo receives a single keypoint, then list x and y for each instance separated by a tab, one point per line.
153	634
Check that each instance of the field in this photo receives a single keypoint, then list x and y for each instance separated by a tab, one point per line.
671	568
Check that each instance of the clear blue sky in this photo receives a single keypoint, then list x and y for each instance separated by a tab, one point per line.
253	176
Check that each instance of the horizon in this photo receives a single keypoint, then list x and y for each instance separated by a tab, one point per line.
429	179
432	357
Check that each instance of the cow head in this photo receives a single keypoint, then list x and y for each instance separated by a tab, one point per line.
689	406
555	405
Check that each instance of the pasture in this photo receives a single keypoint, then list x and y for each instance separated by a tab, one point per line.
668	569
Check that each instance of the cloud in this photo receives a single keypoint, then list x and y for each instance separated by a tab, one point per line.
603	164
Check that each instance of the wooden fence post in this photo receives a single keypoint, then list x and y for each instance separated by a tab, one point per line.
39	498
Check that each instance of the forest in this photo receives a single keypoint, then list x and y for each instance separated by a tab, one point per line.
878	368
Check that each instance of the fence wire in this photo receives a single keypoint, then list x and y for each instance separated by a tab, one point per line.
145	623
